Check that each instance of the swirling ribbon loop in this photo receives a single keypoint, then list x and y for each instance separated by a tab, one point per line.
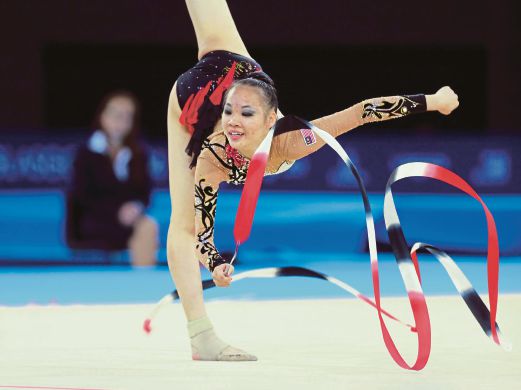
407	262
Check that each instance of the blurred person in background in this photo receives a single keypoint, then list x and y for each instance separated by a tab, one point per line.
110	188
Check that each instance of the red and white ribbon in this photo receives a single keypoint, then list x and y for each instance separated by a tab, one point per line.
407	261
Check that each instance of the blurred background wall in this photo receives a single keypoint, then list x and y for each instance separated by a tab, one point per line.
59	57
37	37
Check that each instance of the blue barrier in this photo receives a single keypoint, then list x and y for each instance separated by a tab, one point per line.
287	227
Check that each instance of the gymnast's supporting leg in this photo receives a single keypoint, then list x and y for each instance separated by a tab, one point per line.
181	245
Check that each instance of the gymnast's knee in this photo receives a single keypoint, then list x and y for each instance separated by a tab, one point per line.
181	240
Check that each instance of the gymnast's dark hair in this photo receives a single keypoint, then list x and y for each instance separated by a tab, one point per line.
209	114
262	81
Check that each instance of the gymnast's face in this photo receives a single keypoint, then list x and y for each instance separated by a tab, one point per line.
246	119
117	118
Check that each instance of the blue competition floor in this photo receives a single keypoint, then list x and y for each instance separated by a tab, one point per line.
100	285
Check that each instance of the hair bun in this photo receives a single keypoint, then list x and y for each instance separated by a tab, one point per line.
261	76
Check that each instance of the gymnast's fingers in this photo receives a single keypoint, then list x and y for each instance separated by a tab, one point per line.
220	276
228	269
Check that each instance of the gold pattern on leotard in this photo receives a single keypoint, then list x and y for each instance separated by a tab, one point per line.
242	69
387	109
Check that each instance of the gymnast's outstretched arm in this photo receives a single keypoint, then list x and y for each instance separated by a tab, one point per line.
214	27
292	145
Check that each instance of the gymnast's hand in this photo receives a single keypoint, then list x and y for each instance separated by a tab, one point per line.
221	275
445	101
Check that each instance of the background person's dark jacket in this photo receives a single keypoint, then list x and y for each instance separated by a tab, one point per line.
96	195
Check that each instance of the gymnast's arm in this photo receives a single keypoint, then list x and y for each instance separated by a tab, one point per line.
293	145
208	176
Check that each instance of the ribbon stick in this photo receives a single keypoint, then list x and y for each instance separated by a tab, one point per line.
250	193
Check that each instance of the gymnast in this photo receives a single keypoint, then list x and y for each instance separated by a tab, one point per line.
219	112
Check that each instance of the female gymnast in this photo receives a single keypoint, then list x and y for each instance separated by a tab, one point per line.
219	112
